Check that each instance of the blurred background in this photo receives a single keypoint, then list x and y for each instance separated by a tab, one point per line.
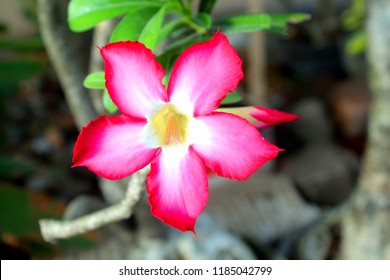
292	208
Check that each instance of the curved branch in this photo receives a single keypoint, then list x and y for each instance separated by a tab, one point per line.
53	27
101	36
53	229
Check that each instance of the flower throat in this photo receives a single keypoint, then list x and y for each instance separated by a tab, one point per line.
170	126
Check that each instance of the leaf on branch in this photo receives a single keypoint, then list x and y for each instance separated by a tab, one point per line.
85	14
180	45
168	28
203	19
131	26
280	22
149	35
231	98
108	104
357	43
255	22
95	80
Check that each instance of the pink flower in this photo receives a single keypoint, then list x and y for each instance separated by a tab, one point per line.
175	129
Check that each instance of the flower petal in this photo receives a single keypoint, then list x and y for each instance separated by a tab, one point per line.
261	117
231	147
178	187
203	75
267	117
133	77
113	147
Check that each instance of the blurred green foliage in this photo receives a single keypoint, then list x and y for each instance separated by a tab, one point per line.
353	21
19	215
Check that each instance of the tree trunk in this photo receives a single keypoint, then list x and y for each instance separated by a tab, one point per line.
366	228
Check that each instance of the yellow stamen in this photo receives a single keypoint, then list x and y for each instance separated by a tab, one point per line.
170	126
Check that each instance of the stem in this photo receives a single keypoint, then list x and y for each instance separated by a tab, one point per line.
198	29
184	10
101	36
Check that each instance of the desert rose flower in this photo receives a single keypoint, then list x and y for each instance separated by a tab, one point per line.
175	128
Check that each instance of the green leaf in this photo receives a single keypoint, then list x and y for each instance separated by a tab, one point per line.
149	35
13	71
131	26
203	19
30	44
181	32
357	43
14	212
243	23
169	27
206	6
280	22
231	98
179	46
95	80
255	22
353	17
85	14
108	104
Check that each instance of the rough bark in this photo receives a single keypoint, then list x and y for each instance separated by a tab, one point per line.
55	35
366	228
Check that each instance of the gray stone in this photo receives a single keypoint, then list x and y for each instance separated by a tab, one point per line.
263	208
324	174
82	205
113	243
313	127
315	246
211	243
113	191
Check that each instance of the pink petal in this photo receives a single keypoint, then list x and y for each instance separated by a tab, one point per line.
133	78
261	117
113	147
267	117
177	186
232	147
204	74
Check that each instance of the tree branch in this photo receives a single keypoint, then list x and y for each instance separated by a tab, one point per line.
257	84
55	35
101	36
53	229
